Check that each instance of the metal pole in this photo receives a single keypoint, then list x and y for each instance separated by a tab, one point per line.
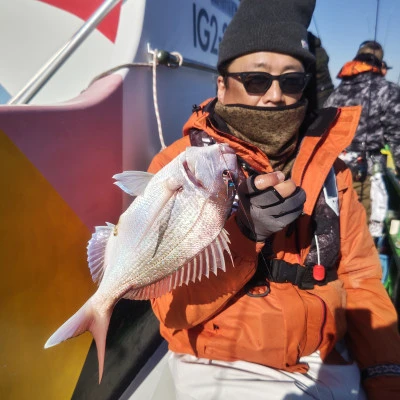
48	70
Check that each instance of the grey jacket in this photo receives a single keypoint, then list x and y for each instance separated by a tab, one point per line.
380	117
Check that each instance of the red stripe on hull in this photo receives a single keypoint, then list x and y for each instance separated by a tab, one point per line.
84	9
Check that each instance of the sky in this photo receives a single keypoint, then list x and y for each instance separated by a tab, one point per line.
342	25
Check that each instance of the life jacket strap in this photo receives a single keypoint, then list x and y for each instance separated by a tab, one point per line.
280	271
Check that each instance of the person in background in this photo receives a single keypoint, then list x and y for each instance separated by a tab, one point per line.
320	73
364	84
300	308
384	68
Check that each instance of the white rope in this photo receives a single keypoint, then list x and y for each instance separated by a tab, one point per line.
160	134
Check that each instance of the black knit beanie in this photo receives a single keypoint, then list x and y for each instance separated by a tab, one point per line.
278	26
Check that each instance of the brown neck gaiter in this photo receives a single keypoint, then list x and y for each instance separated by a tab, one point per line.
273	130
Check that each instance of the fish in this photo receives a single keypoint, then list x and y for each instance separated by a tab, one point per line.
171	234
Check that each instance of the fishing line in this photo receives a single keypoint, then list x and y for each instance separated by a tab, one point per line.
316	27
364	144
387	25
261	253
244	212
376	19
236	187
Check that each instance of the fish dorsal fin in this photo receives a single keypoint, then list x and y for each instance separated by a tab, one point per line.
96	249
133	182
210	259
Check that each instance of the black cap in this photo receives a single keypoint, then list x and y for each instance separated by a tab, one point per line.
371	47
278	26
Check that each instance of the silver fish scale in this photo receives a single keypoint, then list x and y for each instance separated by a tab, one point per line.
158	234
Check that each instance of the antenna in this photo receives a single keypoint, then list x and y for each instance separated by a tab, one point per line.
364	151
388	24
316	27
376	19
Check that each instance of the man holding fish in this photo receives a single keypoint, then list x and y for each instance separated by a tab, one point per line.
299	309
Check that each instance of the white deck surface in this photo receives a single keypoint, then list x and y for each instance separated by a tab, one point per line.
154	381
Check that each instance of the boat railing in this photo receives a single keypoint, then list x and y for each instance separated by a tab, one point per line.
55	62
170	59
162	57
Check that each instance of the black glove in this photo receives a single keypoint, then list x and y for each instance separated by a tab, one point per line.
264	212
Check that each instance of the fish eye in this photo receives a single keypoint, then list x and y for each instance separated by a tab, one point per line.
226	173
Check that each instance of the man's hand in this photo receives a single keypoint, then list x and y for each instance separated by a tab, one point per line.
267	204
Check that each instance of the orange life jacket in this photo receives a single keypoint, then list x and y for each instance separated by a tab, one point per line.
216	319
355	67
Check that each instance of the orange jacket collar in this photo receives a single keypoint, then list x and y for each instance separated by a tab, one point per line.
355	67
321	149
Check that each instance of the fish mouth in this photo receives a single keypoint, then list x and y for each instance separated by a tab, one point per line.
227	175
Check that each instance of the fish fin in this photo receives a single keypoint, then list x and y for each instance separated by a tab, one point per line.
85	319
96	249
210	259
133	182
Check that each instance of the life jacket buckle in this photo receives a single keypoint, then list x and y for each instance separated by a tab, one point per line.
263	294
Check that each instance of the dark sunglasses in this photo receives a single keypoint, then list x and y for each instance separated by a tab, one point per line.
260	82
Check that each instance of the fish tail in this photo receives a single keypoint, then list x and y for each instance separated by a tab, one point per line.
99	331
85	319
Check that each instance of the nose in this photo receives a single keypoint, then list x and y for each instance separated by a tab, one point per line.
273	96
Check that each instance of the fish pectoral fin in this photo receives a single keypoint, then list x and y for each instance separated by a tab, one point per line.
210	259
133	182
96	249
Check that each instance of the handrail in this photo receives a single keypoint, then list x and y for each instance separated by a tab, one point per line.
163	57
197	65
48	70
175	60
